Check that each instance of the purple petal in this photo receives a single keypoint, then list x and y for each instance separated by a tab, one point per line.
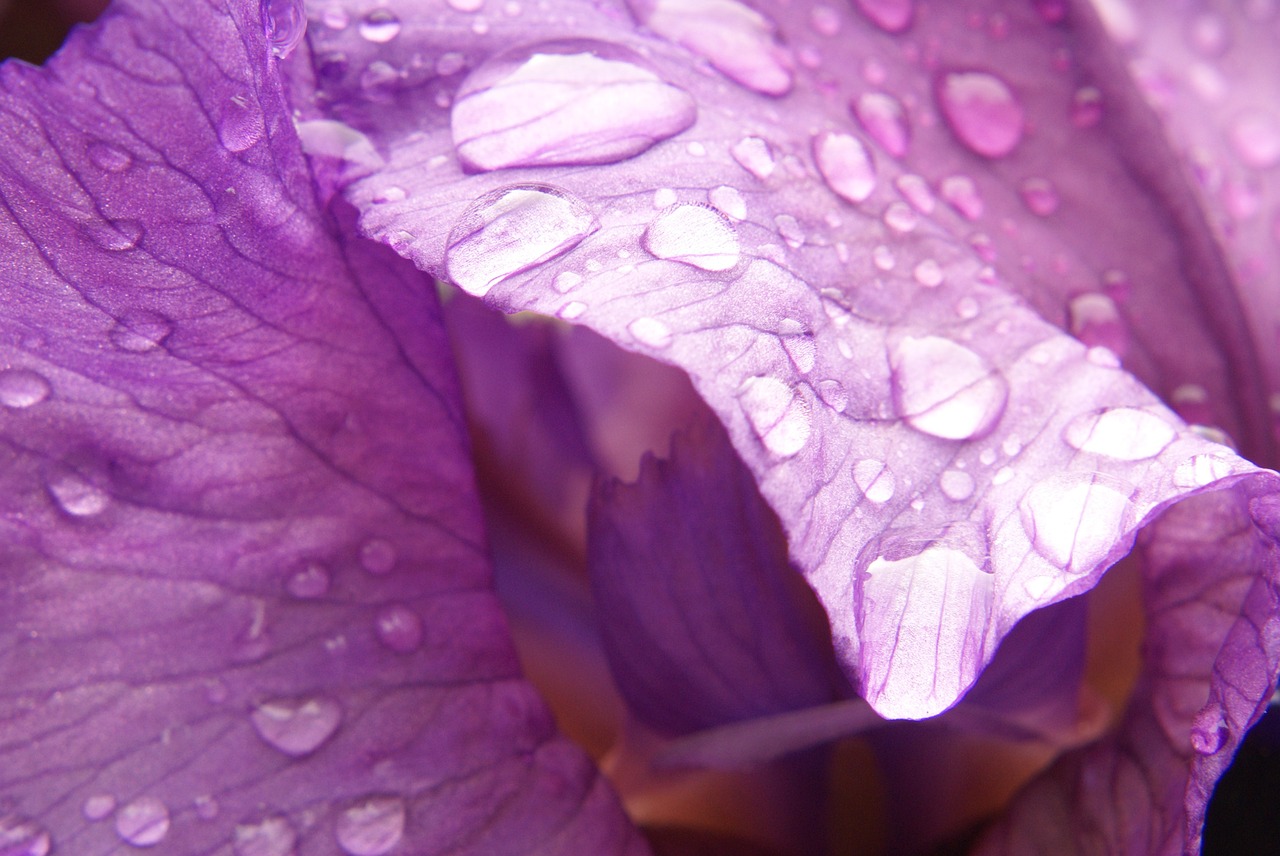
246	605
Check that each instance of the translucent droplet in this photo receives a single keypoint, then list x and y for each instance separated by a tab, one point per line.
981	111
78	497
956	485
115	235
272	836
1095	320
335	18
140	330
901	217
779	415
338	140
1256	138
574	101
882	258
380	26
297	726
1039	195
736	39
883	118
466	5
824	20
285	22
892	16
696	235
241	125
1209	732
651	332
514	229
833	394
378	556
566	281
109	158
755	156
798	342
98	806
875	480
308	582
1202	470
22	388
1074	521
22	837
790	230
729	201
944	389
144	822
399	628
1123	433
371	827
1086	107
845	165
928	273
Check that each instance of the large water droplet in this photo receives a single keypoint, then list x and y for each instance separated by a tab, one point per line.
944	389
883	118
297	726
981	111
140	330
514	229
399	628
875	480
697	235
144	822
845	165
285	22
1209	732
736	39
1074	521
755	156
956	485
651	332
1086	107
115	235
779	415
371	827
564	102
22	837
1123	433
241	125
78	497
893	16
961	193
273	836
380	26
22	388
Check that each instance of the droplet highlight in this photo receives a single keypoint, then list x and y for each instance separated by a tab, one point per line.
875	480
944	389
22	388
285	23
272	836
779	415
296	726
379	26
399	628
961	193
1122	433
1074	521
20	836
78	497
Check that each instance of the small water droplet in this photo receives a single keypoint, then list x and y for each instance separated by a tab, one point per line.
928	273
755	155
1123	433
514	229
76	496
115	235
241	125
378	556
1095	320
981	111
144	822
1209	732
651	332
696	235
892	16
399	628
833	394
1256	138
308	582
790	230
272	836
574	101
883	118
22	388
1086	107
338	140
845	165
779	415
108	158
944	389
285	23
916	190
297	726
882	258
140	330
22	837
729	201
956	485
1039	195
1202	470
1074	521
875	480
371	827
98	807
901	217
380	26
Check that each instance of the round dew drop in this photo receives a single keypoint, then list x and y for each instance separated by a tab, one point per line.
21	388
144	822
399	628
380	26
297	727
779	415
273	836
883	118
845	165
944	389
875	480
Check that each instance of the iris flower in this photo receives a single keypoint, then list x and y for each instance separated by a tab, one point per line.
949	308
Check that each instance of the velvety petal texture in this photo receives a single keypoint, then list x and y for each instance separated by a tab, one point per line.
245	603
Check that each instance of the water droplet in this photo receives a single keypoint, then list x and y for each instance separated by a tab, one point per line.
734	38
956	485
380	26
399	628
798	342
272	836
514	229
241	125
755	156
779	415
790	230
1086	107
1256	138
1039	195
371	827
928	273
308	582
981	111
466	5
206	807
329	138
571	310
1209	732
729	201
901	217
78	497
968	308
696	235
651	332
1074	521
883	118
1202	470
144	822
22	388
296	726
335	18
98	807
285	23
1123	433
944	389
108	158
574	101
833	394
1004	475
378	556
845	165
875	480
140	330
892	16
824	20
1095	320
882	258
22	837
115	235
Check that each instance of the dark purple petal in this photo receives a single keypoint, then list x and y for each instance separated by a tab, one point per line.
245	601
